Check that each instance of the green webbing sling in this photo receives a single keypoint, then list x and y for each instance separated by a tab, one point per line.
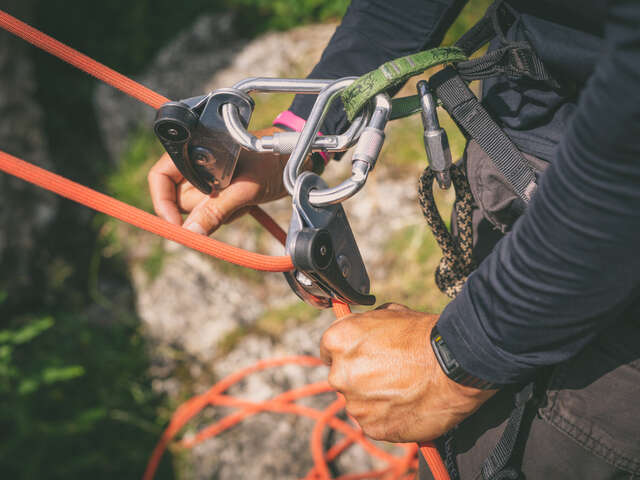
393	73
404	106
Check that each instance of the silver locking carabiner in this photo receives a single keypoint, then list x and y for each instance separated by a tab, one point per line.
284	142
364	157
436	143
204	135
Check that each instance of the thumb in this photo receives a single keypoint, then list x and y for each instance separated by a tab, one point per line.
214	210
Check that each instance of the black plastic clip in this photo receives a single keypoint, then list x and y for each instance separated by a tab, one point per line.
324	251
194	135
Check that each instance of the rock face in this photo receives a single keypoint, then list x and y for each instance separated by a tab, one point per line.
179	71
25	211
194	305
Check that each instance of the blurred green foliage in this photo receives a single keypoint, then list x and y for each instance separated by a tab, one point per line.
128	182
255	16
75	399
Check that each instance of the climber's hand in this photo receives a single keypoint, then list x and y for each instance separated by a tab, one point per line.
384	365
258	179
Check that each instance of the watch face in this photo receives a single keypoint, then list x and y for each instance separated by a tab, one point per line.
451	367
446	357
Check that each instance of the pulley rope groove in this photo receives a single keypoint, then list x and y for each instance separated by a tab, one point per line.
144	220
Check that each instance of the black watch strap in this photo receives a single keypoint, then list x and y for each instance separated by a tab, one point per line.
452	368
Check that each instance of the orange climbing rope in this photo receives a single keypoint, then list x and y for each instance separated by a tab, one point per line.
399	468
81	61
141	219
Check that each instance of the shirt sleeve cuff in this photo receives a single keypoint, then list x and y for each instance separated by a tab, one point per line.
477	354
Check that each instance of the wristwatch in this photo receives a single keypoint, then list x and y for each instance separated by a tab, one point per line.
452	368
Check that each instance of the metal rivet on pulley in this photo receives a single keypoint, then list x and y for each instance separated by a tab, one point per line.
203	156
345	266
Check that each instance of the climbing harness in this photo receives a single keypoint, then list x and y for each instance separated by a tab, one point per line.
204	136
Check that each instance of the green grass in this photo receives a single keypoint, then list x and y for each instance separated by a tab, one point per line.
154	261
231	340
272	324
268	106
128	181
469	15
414	252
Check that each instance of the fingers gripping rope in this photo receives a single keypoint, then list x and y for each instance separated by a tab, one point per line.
141	219
398	467
402	468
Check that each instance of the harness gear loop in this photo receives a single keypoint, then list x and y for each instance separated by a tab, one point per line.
457	261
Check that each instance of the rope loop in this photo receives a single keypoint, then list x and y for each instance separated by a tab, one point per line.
457	261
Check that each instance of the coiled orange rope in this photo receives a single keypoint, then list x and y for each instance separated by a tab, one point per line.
399	468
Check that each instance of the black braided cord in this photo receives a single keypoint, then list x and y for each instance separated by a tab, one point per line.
449	447
457	260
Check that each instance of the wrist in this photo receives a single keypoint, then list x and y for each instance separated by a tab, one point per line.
452	368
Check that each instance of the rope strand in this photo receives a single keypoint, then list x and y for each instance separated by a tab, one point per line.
81	61
139	218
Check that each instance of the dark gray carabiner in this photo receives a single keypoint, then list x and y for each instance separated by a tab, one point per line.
436	143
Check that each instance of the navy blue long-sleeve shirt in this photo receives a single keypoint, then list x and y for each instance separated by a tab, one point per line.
570	266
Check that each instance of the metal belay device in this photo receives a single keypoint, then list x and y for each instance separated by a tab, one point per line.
203	136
